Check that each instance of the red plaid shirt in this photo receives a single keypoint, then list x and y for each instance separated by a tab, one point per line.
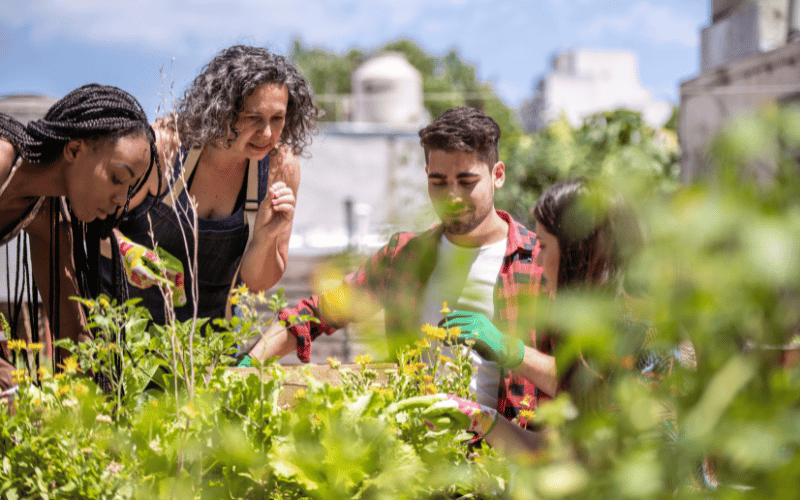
396	276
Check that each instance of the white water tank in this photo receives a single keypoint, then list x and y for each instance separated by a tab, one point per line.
387	89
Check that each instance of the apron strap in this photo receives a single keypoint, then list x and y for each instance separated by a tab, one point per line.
251	204
179	186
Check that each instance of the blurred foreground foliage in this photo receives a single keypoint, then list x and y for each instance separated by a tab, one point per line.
609	145
720	272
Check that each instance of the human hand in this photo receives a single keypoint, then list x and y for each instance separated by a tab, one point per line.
145	268
490	342
453	412
9	393
277	210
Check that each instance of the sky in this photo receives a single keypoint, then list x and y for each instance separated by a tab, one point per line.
153	49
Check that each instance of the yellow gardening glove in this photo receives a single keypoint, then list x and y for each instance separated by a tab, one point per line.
145	268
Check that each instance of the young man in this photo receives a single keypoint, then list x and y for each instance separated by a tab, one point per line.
478	259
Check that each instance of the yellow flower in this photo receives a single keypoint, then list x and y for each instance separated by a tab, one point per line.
427	378
301	393
334	363
81	390
36	346
429	389
526	402
37	402
234	300
454	332
189	410
423	344
90	303
58	376
409	369
420	365
445	310
262	298
43	373
339	301
434	332
527	415
154	403
16	345
63	389
363	359
241	289
444	360
104	302
19	376
70	365
413	353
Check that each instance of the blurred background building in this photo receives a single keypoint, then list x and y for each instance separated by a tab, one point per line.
583	82
365	173
750	57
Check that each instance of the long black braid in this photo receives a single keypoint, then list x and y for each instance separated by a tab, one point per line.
92	112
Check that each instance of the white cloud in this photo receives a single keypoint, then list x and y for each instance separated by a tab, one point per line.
648	20
183	24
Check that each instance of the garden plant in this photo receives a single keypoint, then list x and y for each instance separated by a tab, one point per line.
719	272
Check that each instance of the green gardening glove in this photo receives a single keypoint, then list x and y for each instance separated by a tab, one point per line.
490	342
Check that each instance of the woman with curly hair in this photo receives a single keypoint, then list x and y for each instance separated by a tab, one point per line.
69	176
233	144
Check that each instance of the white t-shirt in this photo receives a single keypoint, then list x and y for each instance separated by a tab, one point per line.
464	277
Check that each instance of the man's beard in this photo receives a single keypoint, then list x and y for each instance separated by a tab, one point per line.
460	226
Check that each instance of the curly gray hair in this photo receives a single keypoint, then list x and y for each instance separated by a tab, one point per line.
211	105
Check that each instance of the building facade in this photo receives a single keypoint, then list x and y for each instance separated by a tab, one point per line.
750	57
583	82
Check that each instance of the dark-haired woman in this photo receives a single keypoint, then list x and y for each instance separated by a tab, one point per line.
233	145
93	149
585	235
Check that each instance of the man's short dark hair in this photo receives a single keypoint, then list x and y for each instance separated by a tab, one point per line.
462	129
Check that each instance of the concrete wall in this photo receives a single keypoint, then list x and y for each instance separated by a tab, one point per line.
741	29
381	173
715	97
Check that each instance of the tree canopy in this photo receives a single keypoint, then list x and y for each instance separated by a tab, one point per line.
447	80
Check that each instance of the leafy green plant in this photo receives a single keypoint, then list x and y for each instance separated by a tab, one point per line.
231	438
719	273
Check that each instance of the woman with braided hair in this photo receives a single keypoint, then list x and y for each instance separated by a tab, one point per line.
233	143
66	180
